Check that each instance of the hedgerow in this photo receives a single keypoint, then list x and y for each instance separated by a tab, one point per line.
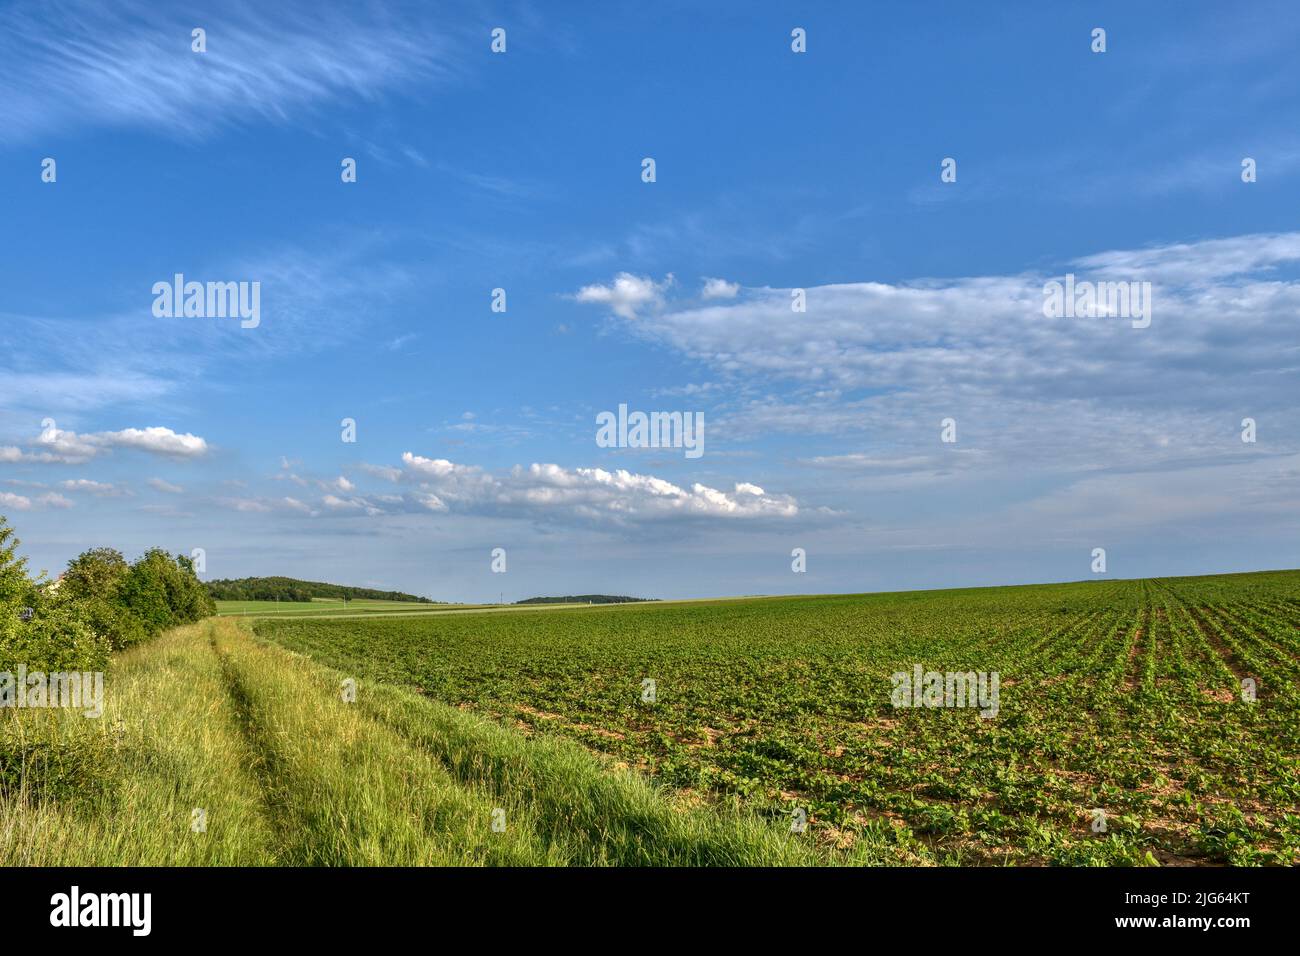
100	605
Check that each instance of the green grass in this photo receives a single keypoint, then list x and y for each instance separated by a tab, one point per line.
291	774
1123	696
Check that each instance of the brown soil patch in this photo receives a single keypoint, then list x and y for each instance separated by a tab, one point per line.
569	724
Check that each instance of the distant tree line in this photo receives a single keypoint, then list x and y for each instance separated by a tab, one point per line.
291	589
102	603
584	599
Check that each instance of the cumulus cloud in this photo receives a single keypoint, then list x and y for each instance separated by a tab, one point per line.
51	499
549	492
156	441
17	502
158	484
627	295
59	446
719	289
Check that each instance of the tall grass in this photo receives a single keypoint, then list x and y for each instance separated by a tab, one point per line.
121	789
289	773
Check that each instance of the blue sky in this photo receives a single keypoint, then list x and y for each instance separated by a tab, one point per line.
775	170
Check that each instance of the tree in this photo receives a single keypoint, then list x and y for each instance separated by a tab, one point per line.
96	574
56	635
145	590
14	583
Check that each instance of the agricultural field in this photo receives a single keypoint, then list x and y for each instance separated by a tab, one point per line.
1136	722
324	607
328	607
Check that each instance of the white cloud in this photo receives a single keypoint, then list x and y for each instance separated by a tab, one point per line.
627	295
98	488
156	441
432	467
23	503
1198	262
247	505
589	495
332	501
335	503
719	289
55	445
893	359
158	484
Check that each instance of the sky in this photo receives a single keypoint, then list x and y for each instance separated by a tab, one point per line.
774	170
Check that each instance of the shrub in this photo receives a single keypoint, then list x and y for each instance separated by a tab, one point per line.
102	604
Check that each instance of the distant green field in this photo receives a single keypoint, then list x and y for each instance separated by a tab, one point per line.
329	608
1125	732
323	606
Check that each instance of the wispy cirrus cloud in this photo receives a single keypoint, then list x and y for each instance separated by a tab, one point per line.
312	299
72	64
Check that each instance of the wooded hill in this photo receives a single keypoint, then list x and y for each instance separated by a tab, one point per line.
292	589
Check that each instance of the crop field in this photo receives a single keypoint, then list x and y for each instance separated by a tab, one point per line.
325	607
319	607
1135	722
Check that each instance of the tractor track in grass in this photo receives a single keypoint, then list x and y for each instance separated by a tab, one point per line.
262	769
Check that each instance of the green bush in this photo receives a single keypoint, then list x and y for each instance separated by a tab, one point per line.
58	637
101	604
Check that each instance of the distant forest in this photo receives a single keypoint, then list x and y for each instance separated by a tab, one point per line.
585	599
291	589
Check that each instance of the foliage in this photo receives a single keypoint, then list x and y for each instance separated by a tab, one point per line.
101	604
291	589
